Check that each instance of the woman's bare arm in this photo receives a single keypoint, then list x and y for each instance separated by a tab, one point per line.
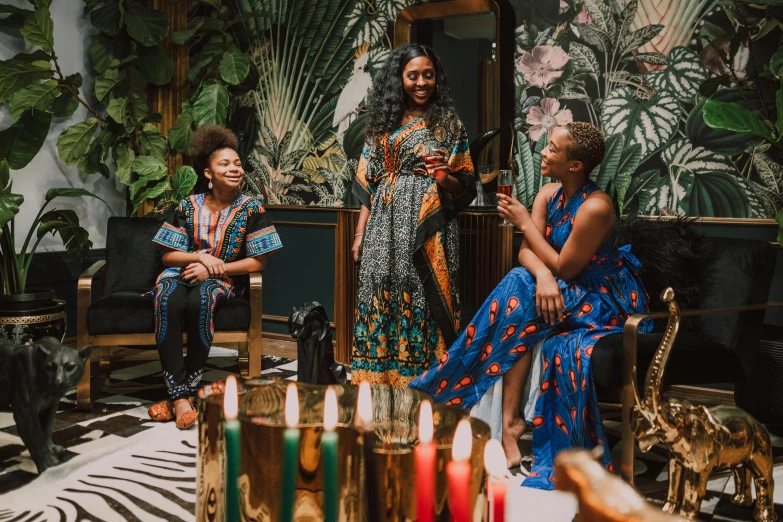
528	258
176	258
247	265
592	224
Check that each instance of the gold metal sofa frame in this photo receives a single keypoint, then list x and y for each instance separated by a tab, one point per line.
249	342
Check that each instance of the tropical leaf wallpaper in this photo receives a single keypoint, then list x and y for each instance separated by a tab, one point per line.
315	62
640	69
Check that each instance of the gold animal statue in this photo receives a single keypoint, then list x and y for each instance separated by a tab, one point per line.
602	497
702	440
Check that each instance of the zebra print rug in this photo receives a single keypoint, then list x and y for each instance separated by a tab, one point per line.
150	476
121	465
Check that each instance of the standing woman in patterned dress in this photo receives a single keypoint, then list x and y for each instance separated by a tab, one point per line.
407	308
212	237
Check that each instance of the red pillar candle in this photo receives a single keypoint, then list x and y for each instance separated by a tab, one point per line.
424	454
495	464
458	473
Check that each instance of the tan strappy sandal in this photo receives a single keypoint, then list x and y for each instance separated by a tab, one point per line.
162	411
185	417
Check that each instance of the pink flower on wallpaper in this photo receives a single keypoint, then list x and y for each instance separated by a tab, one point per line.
583	17
546	117
540	66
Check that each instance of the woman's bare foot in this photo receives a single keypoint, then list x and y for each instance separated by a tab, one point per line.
186	414
512	432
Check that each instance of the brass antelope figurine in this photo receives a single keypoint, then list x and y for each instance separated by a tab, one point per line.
702	440
602	496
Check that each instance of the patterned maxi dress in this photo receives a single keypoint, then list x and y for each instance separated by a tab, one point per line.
598	301
239	231
407	307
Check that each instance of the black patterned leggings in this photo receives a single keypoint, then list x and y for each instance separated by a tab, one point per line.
175	304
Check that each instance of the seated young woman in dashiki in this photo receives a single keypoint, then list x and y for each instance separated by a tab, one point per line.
575	286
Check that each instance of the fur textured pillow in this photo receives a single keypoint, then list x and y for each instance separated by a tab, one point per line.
671	253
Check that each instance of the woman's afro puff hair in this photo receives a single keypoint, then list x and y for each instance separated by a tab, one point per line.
209	139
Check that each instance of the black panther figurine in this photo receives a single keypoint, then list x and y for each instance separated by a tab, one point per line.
33	379
309	325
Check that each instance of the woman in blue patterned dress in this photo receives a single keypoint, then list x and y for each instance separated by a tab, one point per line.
212	237
574	286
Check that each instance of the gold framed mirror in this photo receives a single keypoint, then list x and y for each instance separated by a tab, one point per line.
474	40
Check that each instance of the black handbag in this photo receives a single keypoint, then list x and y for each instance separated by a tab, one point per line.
310	326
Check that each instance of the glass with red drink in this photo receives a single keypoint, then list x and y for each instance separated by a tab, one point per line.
433	158
505	181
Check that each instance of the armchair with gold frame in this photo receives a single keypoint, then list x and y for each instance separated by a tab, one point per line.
120	315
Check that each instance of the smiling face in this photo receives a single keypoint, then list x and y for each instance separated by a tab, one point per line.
225	170
554	158
419	80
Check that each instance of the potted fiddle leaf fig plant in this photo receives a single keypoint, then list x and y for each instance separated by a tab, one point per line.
30	315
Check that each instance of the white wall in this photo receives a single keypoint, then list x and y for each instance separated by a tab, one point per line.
72	37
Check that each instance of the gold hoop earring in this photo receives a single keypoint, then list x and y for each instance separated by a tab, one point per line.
242	188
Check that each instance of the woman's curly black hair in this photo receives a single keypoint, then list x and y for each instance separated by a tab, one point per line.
386	99
205	142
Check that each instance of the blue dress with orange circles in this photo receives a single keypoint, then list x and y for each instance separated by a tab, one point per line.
597	303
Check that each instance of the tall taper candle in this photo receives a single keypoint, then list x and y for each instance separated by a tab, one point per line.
231	430
495	464
458	473
365	424
290	453
424	455
329	456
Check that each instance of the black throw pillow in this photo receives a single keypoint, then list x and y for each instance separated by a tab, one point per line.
671	252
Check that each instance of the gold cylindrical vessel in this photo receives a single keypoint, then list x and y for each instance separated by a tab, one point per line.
210	492
396	427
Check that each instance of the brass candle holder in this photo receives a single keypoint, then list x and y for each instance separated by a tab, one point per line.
395	412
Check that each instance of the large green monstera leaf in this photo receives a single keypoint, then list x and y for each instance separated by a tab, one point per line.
683	75
646	120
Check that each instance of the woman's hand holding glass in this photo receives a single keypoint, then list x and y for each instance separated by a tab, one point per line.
436	164
216	267
513	211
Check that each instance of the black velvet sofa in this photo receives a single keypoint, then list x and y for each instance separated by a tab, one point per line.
719	336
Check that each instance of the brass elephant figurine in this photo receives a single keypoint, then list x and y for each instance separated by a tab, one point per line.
702	440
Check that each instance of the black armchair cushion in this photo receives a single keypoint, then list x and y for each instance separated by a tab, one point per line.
133	261
128	312
694	360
